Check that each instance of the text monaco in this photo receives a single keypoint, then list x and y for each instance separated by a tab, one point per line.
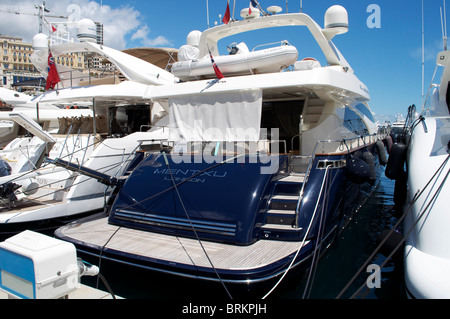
247	309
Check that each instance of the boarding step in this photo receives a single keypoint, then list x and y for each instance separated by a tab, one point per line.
280	217
281	232
277	227
289	185
295	178
283	202
298	165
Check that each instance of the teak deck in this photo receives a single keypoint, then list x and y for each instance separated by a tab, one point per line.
97	232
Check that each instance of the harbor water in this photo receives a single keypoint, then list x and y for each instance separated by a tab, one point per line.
339	264
351	250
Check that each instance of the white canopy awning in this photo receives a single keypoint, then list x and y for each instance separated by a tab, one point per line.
226	116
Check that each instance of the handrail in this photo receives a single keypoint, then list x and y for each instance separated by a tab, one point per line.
122	164
65	140
283	42
85	149
300	196
84	79
278	141
150	126
311	161
292	140
359	140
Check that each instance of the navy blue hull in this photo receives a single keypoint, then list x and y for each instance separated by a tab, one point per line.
235	204
222	201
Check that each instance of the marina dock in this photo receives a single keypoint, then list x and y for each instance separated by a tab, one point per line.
84	292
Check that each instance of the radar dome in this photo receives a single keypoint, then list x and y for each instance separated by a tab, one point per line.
86	31
336	18
193	38
336	21
274	9
245	13
40	42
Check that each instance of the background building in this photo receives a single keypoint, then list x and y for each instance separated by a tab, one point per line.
15	63
18	72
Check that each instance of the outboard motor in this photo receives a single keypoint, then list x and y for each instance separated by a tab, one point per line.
7	194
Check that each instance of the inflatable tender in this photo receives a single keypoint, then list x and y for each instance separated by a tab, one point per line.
240	61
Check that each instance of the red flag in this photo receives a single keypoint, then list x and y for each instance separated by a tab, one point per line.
226	17
253	5
219	74
52	77
51	27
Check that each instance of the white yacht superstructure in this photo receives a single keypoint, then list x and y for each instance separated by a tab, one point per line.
112	122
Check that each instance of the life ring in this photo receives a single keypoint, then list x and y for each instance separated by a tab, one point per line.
396	161
382	157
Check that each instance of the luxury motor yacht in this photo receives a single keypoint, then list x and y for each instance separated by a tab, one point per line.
269	156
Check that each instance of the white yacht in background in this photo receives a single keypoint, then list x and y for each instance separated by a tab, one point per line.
269	161
13	98
427	253
116	121
48	115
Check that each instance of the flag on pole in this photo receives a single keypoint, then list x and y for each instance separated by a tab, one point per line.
219	74
51	28
226	16
253	5
52	77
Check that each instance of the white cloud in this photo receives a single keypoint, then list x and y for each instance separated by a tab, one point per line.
142	36
431	51
120	24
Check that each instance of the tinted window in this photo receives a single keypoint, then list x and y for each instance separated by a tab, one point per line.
365	111
354	123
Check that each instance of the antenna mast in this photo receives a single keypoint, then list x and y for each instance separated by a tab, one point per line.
423	55
444	27
207	13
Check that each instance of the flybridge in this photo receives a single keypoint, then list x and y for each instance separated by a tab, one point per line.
336	22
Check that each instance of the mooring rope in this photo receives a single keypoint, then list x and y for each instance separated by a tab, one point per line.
380	245
304	237
192	226
408	232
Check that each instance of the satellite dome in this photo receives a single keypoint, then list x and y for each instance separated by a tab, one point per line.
86	31
336	18
246	14
40	42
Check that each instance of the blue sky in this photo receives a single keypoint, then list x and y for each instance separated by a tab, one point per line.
387	59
